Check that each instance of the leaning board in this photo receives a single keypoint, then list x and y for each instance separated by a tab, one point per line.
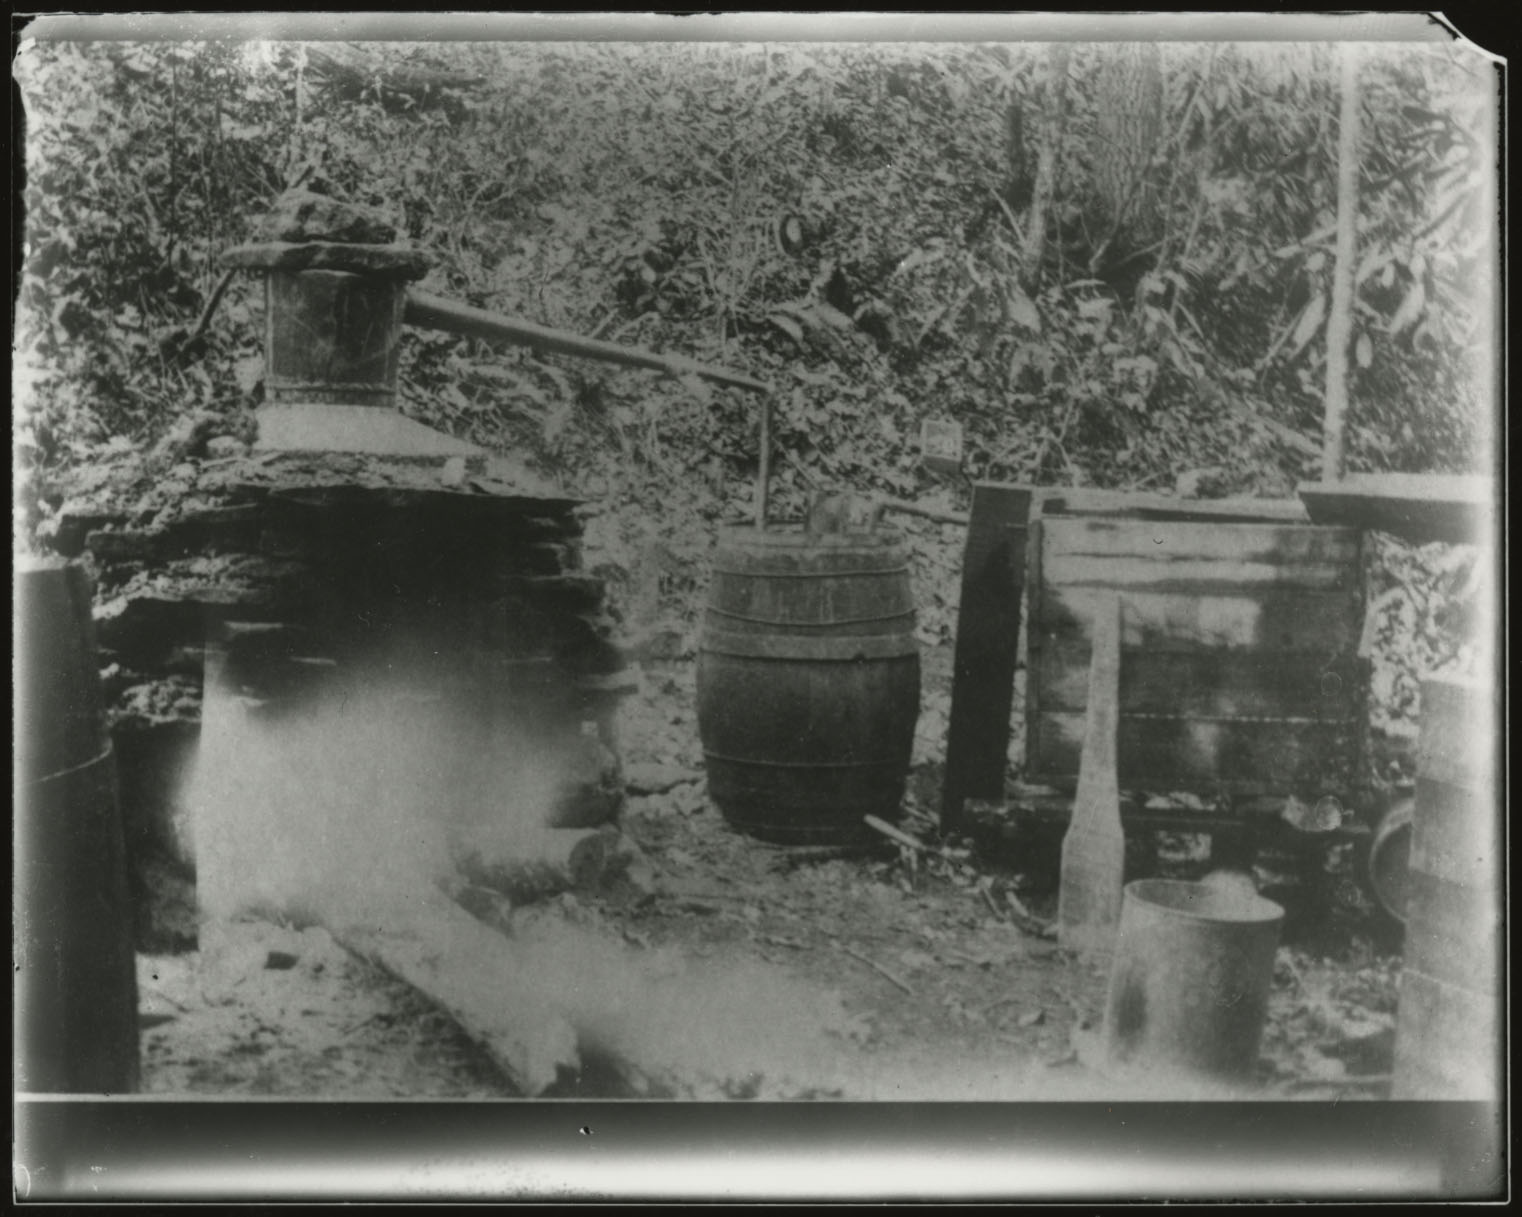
1239	668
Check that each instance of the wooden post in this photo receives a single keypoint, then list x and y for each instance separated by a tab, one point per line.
1340	315
1094	849
988	631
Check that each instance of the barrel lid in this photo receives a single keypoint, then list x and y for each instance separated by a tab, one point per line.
789	539
750	552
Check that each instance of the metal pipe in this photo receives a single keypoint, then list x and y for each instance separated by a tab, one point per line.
914	509
764	466
434	312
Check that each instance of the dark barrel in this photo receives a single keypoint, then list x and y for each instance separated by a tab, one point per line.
808	682
1449	1034
76	983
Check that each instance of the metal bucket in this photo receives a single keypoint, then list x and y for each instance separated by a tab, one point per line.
1190	982
75	971
808	682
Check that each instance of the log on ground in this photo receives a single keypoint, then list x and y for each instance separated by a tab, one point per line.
471	972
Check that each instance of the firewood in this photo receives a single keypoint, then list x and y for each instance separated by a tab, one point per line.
530	864
912	842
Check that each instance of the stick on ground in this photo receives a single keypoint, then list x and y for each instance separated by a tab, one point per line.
879	969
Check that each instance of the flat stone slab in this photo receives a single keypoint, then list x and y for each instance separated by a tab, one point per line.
371	430
304	215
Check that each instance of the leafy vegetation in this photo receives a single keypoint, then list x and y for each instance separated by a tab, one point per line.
866	226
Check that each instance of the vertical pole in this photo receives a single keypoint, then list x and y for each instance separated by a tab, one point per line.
764	463
1340	315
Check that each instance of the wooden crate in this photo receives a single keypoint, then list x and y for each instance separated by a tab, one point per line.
1239	667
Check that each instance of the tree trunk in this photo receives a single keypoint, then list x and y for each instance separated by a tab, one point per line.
1340	321
1034	246
1129	123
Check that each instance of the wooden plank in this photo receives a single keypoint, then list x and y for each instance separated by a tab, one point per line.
1221	683
1259	618
1094	847
1168	542
1147	573
1243	757
1418	507
1086	501
988	630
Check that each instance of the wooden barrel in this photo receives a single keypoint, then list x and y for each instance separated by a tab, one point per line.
1449	1034
76	982
808	682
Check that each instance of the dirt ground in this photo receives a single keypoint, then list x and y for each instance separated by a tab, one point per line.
929	984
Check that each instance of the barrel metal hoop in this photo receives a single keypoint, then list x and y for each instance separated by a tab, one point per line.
881	763
59	774
763	575
1259	719
833	621
838	649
